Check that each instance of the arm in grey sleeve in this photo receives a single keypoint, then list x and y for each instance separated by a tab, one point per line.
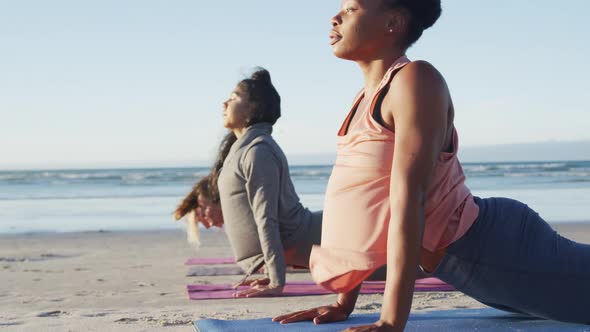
262	172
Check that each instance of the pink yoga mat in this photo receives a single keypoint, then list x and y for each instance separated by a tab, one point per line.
210	260
224	291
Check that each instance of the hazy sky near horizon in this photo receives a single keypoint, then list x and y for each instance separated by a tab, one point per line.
141	82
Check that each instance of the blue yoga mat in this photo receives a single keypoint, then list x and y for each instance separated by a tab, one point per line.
449	320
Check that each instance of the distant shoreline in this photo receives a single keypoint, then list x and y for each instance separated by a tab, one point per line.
560	225
201	166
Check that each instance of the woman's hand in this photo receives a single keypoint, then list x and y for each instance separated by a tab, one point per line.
256	282
260	291
378	326
319	315
260	282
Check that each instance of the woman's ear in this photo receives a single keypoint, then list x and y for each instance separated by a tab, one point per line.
250	119
397	21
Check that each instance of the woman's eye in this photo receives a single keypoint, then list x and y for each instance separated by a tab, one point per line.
348	10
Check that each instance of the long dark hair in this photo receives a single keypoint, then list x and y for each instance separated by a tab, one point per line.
266	106
191	201
224	148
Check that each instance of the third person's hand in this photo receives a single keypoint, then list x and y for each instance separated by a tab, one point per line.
260	291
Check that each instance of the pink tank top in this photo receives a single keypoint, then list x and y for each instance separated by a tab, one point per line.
357	209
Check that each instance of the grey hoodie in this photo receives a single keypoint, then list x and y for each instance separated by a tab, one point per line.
262	213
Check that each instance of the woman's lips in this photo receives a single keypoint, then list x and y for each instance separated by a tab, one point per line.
334	37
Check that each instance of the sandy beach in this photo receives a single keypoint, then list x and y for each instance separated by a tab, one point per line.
135	281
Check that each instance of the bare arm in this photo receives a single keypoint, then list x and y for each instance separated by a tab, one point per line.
419	106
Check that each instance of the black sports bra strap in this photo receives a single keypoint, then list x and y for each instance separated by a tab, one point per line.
376	111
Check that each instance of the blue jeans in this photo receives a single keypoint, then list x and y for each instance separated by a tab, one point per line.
512	260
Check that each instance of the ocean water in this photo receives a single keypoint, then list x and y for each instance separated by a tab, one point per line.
127	199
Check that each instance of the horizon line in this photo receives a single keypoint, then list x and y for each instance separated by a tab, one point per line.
129	167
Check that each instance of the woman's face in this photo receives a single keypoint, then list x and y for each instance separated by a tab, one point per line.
209	213
361	30
236	110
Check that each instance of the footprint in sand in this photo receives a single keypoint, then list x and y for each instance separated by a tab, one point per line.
177	322
426	307
98	314
126	320
55	313
42	257
370	306
141	266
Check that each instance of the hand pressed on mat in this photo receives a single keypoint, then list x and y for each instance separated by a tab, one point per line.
319	315
378	326
325	314
260	291
256	282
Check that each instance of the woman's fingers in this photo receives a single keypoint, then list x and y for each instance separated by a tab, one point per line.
331	315
319	315
378	326
245	293
265	291
259	291
285	316
297	316
368	328
242	293
260	282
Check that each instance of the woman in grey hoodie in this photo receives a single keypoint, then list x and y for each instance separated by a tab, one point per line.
264	219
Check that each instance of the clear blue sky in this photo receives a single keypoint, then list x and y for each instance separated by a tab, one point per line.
109	83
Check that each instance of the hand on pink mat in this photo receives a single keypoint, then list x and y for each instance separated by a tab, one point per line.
256	282
260	291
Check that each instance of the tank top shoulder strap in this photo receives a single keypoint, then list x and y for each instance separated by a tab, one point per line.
375	110
395	67
351	113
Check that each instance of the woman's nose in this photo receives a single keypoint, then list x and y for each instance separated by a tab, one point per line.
335	21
